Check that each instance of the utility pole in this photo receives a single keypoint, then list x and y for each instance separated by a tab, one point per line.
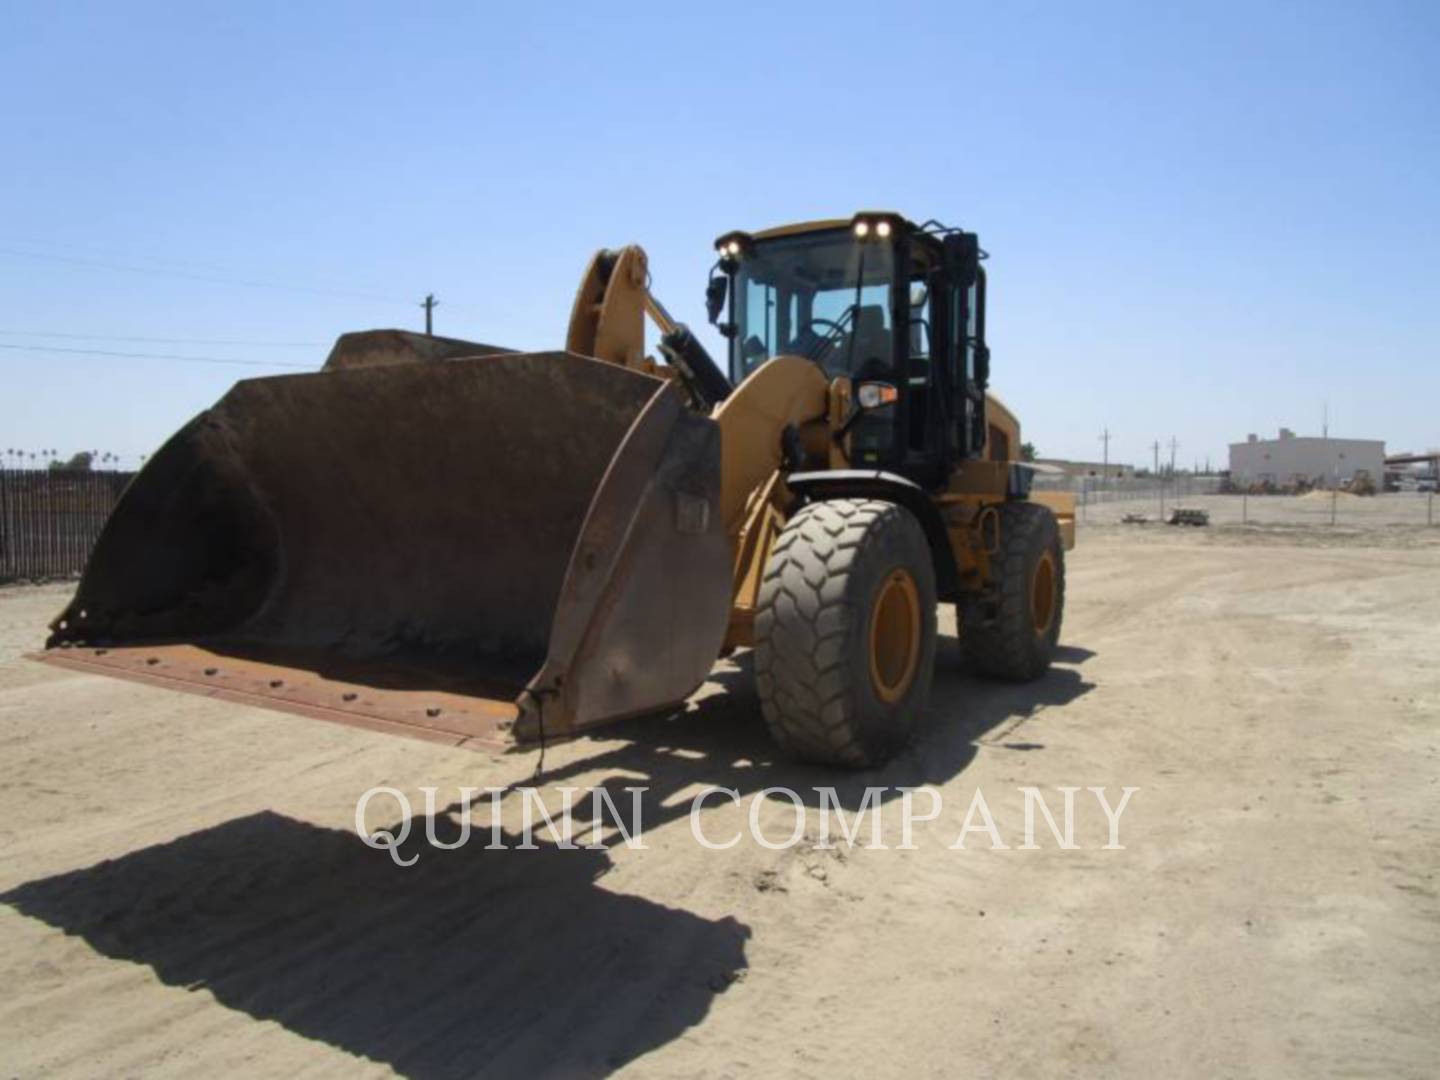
430	304
1173	479
1155	472
1105	461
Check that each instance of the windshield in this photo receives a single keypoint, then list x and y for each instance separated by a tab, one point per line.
825	296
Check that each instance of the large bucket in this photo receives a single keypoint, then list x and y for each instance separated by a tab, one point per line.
494	549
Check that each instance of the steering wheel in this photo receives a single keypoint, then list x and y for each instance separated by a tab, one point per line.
823	344
835	327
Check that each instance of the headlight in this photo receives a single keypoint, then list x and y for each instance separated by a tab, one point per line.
862	228
882	229
733	248
872	395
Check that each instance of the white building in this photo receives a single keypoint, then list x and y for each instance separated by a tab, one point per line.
1323	462
1108	470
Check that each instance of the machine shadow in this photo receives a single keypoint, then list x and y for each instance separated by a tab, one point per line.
1072	654
470	962
720	740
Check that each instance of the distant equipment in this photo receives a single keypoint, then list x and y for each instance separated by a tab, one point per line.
1188	515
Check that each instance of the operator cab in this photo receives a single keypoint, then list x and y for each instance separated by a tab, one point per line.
896	308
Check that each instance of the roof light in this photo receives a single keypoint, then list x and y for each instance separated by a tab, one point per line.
862	228
733	247
882	229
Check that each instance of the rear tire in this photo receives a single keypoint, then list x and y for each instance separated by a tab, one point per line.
1015	638
845	632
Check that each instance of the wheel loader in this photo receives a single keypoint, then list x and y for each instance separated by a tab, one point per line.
496	548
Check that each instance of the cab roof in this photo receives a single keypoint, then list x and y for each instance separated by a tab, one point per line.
820	225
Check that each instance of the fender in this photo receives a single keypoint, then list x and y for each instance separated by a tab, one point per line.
887	487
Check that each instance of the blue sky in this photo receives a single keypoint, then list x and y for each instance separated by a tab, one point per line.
1203	220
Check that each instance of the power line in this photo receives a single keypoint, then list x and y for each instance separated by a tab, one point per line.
128	257
184	268
155	356
107	252
163	340
94	264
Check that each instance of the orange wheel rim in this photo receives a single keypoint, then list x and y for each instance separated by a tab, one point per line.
894	636
1042	593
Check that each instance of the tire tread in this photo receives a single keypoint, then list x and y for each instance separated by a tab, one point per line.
804	624
1005	648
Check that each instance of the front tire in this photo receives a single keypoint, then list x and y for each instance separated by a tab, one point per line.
845	632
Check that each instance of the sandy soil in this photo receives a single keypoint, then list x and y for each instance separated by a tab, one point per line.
182	893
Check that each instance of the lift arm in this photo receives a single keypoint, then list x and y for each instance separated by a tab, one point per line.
608	323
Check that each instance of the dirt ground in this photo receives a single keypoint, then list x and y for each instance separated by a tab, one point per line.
182	892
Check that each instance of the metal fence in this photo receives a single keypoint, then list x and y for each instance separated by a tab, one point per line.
1111	500
50	519
1148	499
1158	491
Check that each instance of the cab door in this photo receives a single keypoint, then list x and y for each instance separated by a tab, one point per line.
923	307
970	358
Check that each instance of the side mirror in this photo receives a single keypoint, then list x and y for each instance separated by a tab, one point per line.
919	294
962	258
716	292
982	365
